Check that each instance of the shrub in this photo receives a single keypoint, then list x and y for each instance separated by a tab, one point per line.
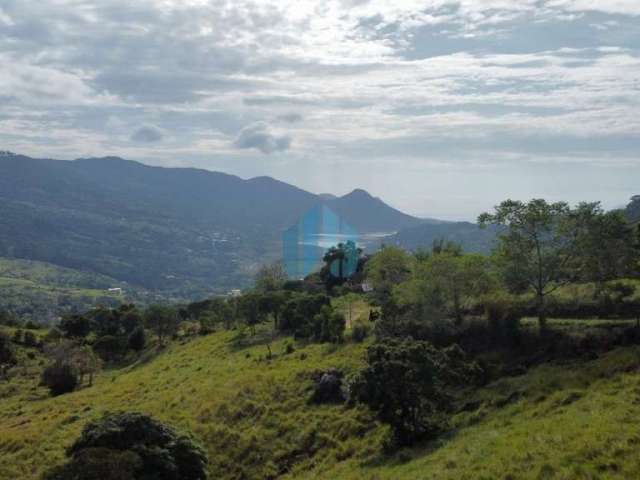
134	446
8	319
7	352
30	339
18	336
137	339
503	313
110	347
405	380
75	326
60	378
327	387
98	463
359	331
53	335
328	325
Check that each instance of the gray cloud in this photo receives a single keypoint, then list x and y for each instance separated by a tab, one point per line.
147	134
290	117
259	136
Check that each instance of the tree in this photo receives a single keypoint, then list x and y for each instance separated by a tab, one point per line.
341	262
298	314
106	321
270	277
75	326
250	308
131	446
131	320
273	303
329	325
387	268
162	320
443	283
137	339
7	351
60	377
538	246
18	336
110	347
30	339
405	380
606	245
86	362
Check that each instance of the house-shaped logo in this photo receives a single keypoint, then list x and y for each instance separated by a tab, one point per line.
305	243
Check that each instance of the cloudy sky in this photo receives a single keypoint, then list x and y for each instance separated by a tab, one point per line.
442	108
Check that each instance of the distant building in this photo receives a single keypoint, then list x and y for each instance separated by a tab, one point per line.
235	292
117	290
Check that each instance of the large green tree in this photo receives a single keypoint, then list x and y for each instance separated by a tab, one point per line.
443	283
405	381
386	269
606	243
162	320
270	278
538	248
545	246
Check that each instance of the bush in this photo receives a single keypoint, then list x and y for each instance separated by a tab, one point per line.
75	326
60	378
503	313
405	380
137	339
30	339
53	335
98	463
327	387
131	446
110	347
359	331
328	325
18	336
7	352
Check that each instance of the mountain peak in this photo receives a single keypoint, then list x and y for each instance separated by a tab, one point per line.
359	194
7	153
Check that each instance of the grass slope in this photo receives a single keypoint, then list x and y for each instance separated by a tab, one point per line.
557	421
41	291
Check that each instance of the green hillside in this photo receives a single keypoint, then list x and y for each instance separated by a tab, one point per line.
572	420
41	291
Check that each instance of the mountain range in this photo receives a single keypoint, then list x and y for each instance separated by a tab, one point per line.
183	232
171	229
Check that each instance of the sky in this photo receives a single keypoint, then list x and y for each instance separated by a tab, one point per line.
442	108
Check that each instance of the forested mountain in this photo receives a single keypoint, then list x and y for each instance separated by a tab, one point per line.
176	229
633	209
470	236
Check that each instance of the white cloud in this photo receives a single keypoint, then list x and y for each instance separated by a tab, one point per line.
432	82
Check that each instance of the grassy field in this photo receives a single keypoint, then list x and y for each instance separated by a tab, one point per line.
575	420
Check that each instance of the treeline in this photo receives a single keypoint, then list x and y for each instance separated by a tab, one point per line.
451	320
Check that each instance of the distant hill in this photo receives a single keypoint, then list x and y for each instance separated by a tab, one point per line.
41	291
181	230
633	209
370	214
470	236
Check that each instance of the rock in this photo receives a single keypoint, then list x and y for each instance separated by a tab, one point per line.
328	387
